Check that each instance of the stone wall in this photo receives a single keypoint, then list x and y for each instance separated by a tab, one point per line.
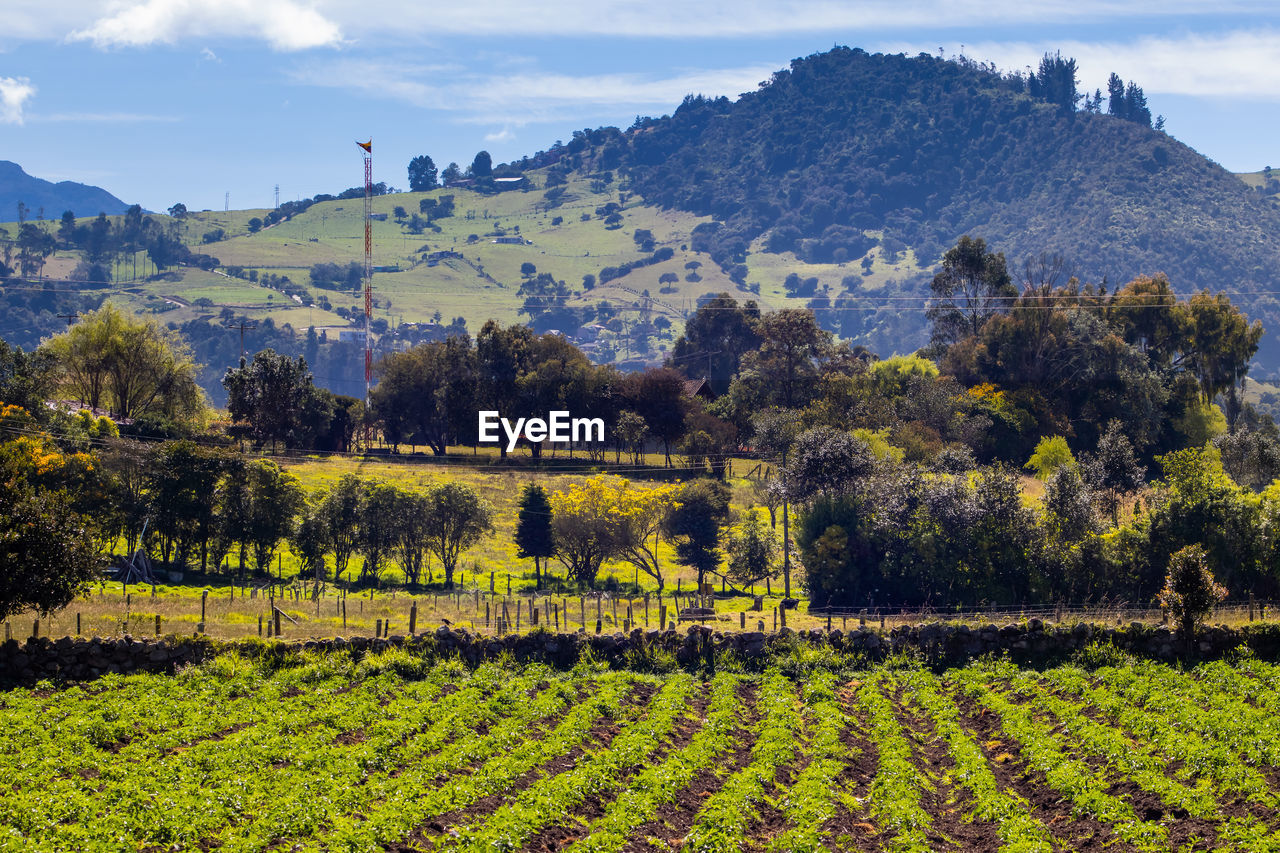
1031	642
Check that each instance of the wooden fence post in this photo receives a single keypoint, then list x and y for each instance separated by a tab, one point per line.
413	619
662	616
77	626
204	600
35	628
276	626
158	625
260	625
377	629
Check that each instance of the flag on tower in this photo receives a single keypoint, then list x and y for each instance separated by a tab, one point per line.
367	146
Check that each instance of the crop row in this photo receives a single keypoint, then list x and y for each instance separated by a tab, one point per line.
324	757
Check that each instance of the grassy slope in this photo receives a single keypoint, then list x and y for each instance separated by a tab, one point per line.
485	283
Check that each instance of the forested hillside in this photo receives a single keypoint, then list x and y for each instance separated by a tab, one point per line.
847	148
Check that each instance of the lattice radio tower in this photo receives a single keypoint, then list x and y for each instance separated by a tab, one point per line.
367	148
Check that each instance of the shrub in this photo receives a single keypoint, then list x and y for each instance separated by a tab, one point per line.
1190	591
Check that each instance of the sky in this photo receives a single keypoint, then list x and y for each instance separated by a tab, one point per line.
198	101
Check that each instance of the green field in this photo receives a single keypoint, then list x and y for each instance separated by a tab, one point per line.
393	752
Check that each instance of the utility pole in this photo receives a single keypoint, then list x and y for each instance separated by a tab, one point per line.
70	318
242	325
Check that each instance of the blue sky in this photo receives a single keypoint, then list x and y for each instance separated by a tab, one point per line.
161	101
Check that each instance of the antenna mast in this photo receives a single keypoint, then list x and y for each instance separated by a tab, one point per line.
367	148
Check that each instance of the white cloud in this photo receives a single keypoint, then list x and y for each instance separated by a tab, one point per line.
1232	64
504	135
283	24
207	54
14	94
526	95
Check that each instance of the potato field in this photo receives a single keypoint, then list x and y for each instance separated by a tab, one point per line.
395	753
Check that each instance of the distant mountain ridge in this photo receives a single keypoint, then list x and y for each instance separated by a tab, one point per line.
925	150
16	186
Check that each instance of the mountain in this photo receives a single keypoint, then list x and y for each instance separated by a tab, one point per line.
16	186
847	150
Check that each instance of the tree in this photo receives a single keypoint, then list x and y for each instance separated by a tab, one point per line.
1190	591
26	379
426	395
184	475
310	543
46	549
502	357
658	396
973	286
638	516
1135	105
793	341
411	532
1051	454
255	225
1069	504
715	339
271	394
481	166
456	518
340	512
752	549
694	525
178	211
1113	471
776	431
630	433
1115	96
35	245
827	462
379	528
1223	343
451	174
274	501
534	536
133	367
422	174
581	520
1056	81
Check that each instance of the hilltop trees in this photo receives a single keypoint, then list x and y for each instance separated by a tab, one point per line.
1127	102
422	174
481	166
1055	82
